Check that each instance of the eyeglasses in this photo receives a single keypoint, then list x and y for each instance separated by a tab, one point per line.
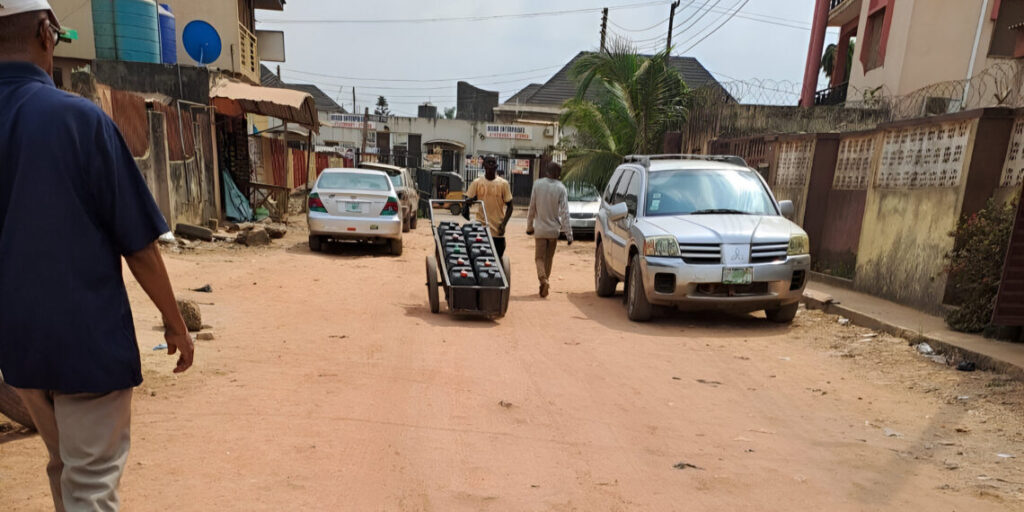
56	33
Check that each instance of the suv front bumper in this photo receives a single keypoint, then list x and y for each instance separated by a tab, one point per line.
673	282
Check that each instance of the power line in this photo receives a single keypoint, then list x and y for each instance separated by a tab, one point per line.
430	88
727	20
311	73
466	18
656	25
760	18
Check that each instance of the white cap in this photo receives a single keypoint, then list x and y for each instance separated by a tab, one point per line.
12	7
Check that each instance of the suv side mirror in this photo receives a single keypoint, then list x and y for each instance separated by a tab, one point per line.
617	212
787	209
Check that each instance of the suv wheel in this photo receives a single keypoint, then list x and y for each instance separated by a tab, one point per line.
604	282
637	307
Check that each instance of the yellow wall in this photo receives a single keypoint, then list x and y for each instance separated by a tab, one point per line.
76	14
903	232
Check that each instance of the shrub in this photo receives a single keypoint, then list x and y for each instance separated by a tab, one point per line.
975	266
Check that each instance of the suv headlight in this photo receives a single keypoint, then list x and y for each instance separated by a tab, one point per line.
661	246
799	244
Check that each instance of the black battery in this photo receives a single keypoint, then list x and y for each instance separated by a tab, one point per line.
489	277
462	276
481	251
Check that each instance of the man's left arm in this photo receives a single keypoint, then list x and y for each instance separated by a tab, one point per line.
506	196
563	214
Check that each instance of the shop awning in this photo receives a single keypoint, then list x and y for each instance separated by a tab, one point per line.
235	98
445	142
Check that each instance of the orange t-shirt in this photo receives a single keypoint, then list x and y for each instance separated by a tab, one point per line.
494	195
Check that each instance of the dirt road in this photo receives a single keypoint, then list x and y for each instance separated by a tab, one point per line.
330	386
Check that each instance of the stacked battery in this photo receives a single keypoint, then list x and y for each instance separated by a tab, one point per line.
469	255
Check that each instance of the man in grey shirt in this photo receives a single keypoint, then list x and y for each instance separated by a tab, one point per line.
549	216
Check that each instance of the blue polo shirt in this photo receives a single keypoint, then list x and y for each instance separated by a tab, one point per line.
72	202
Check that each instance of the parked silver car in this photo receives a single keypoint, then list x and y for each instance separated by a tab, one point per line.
698	232
584	202
405	185
354	204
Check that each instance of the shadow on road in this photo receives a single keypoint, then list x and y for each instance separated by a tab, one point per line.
12	432
447	319
344	249
611	313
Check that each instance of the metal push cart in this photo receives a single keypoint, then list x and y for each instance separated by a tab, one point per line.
470	300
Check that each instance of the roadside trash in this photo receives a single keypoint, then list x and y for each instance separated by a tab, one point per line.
869	335
938	359
505	404
926	349
1005	456
686	465
844	321
168	238
676	378
190	312
963	397
204	289
783	358
966	366
161	346
892	433
709	382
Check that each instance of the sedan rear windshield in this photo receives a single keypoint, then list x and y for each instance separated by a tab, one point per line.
353	181
695	192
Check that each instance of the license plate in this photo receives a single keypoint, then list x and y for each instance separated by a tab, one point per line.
741	275
354	207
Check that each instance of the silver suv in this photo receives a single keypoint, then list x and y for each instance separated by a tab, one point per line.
698	232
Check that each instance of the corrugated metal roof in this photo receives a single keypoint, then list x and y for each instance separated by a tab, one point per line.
560	87
324	103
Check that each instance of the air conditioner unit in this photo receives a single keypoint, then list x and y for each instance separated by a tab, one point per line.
549	131
934	106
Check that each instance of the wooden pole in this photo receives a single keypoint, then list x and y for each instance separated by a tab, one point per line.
604	26
671	21
366	130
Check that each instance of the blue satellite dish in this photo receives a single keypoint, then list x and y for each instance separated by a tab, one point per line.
201	42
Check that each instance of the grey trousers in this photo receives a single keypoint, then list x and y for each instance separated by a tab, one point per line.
87	436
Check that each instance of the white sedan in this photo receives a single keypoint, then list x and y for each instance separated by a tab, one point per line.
354	205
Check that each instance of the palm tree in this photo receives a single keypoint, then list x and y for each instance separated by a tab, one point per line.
828	59
635	100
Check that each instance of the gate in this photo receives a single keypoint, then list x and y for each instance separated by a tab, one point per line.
1009	310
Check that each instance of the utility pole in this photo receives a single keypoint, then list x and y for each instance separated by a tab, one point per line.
366	130
604	26
671	20
354	109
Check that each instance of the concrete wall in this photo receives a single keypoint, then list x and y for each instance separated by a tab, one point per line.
76	14
185	82
223	15
929	42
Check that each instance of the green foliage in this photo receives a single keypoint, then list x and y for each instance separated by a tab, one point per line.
624	104
975	266
449	113
828	59
382	107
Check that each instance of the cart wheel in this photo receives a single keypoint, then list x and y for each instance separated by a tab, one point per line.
455	209
435	303
506	263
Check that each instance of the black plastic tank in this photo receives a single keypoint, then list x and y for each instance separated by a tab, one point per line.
462	276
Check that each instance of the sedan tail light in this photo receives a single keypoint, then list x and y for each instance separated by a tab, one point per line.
391	207
315	204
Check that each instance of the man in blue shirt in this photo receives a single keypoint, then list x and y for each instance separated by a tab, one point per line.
72	203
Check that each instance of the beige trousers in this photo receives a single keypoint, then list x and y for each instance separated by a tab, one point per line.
88	436
545	256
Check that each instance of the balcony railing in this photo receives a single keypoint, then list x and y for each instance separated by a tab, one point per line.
832	4
831	96
248	55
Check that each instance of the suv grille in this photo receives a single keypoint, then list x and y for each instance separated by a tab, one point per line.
768	252
701	254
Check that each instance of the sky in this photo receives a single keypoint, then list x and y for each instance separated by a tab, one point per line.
391	48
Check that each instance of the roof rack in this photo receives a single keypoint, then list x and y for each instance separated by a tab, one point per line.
645	160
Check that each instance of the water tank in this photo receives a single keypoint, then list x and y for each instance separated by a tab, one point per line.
168	41
126	30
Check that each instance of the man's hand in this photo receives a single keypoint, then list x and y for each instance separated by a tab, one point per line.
501	229
570	242
182	344
529	231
